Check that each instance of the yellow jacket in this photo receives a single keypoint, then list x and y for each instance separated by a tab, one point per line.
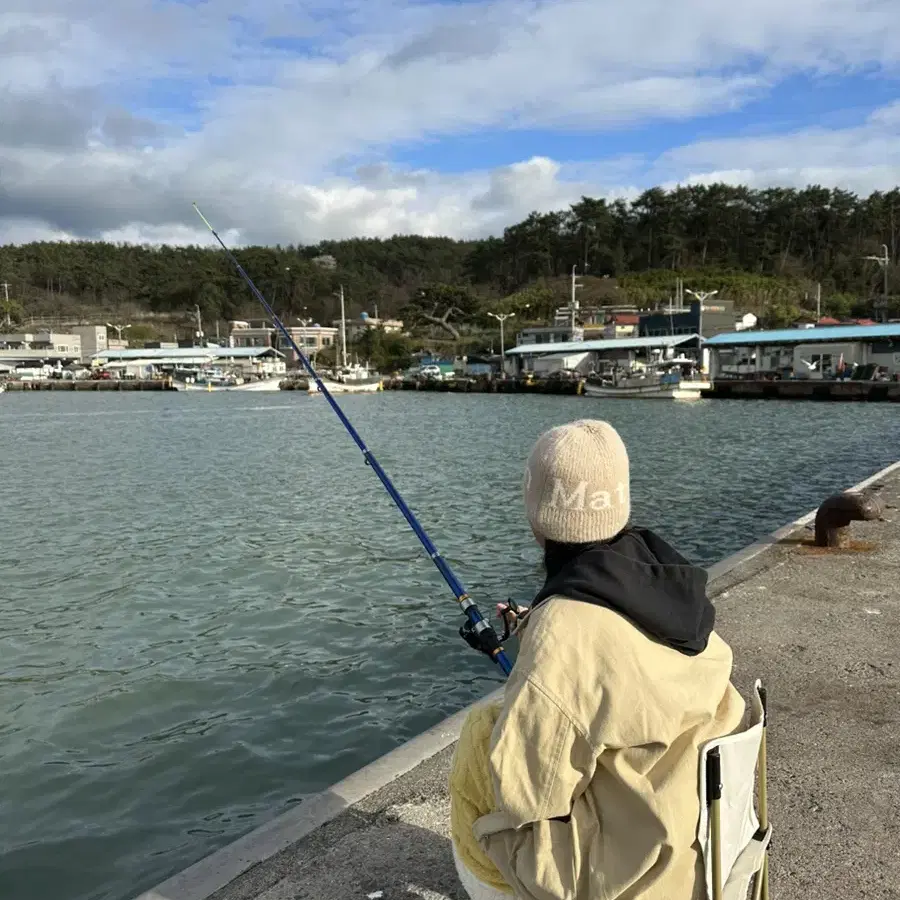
594	760
472	794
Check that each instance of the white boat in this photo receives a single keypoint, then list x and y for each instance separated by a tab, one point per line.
343	387
354	379
211	380
349	378
662	381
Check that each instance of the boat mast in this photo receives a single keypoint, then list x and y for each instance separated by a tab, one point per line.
343	331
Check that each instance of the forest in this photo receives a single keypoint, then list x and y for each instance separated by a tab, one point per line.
765	249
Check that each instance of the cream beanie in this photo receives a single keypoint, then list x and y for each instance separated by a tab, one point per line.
577	483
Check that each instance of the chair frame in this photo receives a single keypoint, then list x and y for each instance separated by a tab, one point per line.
714	797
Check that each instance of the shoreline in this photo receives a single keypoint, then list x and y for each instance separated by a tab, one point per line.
250	854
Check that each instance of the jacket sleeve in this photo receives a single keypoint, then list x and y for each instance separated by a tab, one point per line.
544	831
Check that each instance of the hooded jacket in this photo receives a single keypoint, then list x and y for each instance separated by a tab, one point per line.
594	758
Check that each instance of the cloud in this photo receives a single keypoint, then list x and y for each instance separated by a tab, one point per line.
281	118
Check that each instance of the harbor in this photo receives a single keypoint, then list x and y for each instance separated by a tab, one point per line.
819	626
338	342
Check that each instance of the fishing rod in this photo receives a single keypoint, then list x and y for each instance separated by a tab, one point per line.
477	631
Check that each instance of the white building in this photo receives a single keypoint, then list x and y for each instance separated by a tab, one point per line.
817	352
588	356
550	334
39	348
358	327
260	361
309	338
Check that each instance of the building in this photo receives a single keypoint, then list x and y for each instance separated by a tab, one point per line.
144	361
40	348
550	334
819	352
591	356
94	338
356	328
309	338
243	334
480	365
621	325
50	341
711	318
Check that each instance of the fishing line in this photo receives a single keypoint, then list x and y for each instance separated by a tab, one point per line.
477	632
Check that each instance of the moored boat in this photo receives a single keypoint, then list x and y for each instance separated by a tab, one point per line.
662	381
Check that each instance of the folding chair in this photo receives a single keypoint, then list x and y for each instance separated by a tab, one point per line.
734	840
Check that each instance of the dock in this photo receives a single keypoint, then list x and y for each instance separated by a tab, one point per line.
804	389
485	385
91	384
819	626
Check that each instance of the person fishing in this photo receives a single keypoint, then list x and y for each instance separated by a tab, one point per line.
582	782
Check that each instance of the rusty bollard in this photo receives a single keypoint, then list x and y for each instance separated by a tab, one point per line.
837	512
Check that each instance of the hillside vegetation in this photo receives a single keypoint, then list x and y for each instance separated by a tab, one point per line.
764	249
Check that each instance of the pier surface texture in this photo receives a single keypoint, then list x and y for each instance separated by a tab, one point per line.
821	629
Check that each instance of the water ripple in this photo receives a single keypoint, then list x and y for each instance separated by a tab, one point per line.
211	609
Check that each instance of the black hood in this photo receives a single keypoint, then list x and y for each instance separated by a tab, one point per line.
640	576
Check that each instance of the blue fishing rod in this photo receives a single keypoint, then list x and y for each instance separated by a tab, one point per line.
477	632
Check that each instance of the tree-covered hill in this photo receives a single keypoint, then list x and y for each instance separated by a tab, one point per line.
765	249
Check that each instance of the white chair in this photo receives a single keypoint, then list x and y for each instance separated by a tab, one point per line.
476	889
733	837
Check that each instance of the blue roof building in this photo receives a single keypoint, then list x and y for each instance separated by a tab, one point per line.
821	352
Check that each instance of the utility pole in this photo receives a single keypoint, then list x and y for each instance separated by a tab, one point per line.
6	307
199	325
501	318
343	329
573	303
818	302
883	261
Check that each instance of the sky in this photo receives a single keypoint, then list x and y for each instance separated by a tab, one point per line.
296	121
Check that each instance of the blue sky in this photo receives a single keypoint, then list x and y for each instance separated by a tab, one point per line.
799	102
297	121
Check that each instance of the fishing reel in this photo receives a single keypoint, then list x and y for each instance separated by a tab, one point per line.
484	638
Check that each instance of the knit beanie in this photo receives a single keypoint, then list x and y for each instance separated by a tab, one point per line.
577	483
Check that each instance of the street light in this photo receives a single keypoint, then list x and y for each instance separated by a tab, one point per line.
118	329
501	318
883	261
702	296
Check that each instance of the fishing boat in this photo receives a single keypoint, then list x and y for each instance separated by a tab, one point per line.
664	380
352	379
214	379
349	378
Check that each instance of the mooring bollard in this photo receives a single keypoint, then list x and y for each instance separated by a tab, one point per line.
838	511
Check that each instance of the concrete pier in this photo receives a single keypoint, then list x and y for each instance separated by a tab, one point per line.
820	627
92	384
806	389
485	385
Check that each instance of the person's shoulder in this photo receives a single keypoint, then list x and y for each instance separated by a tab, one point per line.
580	625
577	651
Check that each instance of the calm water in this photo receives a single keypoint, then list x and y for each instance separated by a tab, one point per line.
209	607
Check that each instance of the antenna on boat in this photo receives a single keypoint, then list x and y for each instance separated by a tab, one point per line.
477	632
